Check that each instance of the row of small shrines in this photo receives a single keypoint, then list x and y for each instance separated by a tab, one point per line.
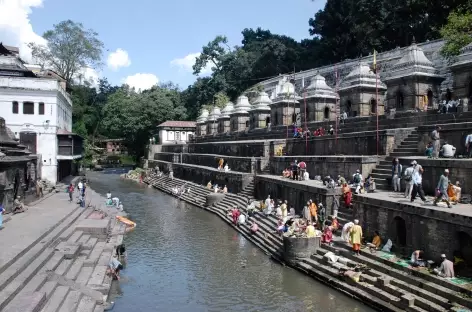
413	83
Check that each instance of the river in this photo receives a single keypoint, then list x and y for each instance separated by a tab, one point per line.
182	258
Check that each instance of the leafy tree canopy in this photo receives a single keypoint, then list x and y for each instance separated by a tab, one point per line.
458	31
70	48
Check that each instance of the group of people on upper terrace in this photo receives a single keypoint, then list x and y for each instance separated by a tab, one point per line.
412	177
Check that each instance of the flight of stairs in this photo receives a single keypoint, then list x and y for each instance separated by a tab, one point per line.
383	171
248	191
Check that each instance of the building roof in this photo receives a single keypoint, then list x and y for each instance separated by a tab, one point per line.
227	110
319	89
362	76
465	58
178	124
242	105
413	63
261	102
203	117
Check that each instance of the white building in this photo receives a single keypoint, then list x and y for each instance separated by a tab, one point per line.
38	110
176	131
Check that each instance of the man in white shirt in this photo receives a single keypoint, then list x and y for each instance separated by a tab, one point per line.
448	151
80	186
109	195
408	176
242	219
357	179
417	180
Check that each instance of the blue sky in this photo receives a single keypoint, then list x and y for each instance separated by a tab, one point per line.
157	39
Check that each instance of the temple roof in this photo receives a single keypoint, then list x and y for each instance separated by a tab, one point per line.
413	63
261	102
203	117
215	114
6	135
242	105
287	94
361	76
176	124
319	89
227	110
465	57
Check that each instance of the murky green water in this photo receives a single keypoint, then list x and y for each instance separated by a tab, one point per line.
182	258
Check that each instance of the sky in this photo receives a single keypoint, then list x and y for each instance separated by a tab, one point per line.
147	42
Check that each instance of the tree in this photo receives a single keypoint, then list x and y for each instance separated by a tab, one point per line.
457	32
70	48
212	53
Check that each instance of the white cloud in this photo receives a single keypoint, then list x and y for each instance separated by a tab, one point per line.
141	81
15	27
118	59
186	63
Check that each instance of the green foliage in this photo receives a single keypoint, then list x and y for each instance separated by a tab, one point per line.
134	116
70	48
457	32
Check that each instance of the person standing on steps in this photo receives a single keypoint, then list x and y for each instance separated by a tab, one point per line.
441	190
397	170
356	237
70	190
436	141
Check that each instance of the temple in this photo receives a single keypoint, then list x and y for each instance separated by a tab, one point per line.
18	168
340	119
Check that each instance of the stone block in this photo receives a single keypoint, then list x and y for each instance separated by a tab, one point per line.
98	275
94	227
383	281
70	250
29	303
407	300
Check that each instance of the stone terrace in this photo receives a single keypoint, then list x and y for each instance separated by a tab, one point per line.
54	256
387	285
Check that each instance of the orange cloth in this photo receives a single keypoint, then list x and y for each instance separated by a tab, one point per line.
451	193
356	247
313	210
377	241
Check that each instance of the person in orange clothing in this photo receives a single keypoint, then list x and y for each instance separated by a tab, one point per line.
314	212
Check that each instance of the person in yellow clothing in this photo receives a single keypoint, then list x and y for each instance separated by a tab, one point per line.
310	230
356	237
313	212
221	163
283	207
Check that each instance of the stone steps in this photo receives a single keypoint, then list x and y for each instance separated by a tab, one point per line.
38	259
383	286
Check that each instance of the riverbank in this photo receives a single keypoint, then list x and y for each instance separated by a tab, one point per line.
387	286
55	255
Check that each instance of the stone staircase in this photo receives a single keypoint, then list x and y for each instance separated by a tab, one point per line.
383	171
248	190
386	285
64	272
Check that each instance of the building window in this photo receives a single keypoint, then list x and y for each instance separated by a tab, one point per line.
326	113
14	107
41	108
28	108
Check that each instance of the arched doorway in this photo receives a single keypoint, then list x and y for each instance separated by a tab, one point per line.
430	98
268	121
294	118
16	185
398	231
465	247
348	108
399	100
326	113
373	106
448	95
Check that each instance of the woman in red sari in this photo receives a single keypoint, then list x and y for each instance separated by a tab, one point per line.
347	194
235	215
327	236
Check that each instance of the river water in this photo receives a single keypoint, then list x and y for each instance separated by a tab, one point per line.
182	258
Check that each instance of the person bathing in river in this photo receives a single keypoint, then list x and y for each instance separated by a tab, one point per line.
241	219
115	267
235	215
254	228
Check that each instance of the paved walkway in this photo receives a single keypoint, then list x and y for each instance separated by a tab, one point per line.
25	228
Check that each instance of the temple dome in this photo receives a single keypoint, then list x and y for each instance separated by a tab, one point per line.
286	94
227	110
319	89
215	114
413	63
6	135
362	76
203	117
242	105
261	102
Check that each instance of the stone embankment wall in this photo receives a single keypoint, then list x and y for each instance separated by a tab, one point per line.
432	230
452	133
326	165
